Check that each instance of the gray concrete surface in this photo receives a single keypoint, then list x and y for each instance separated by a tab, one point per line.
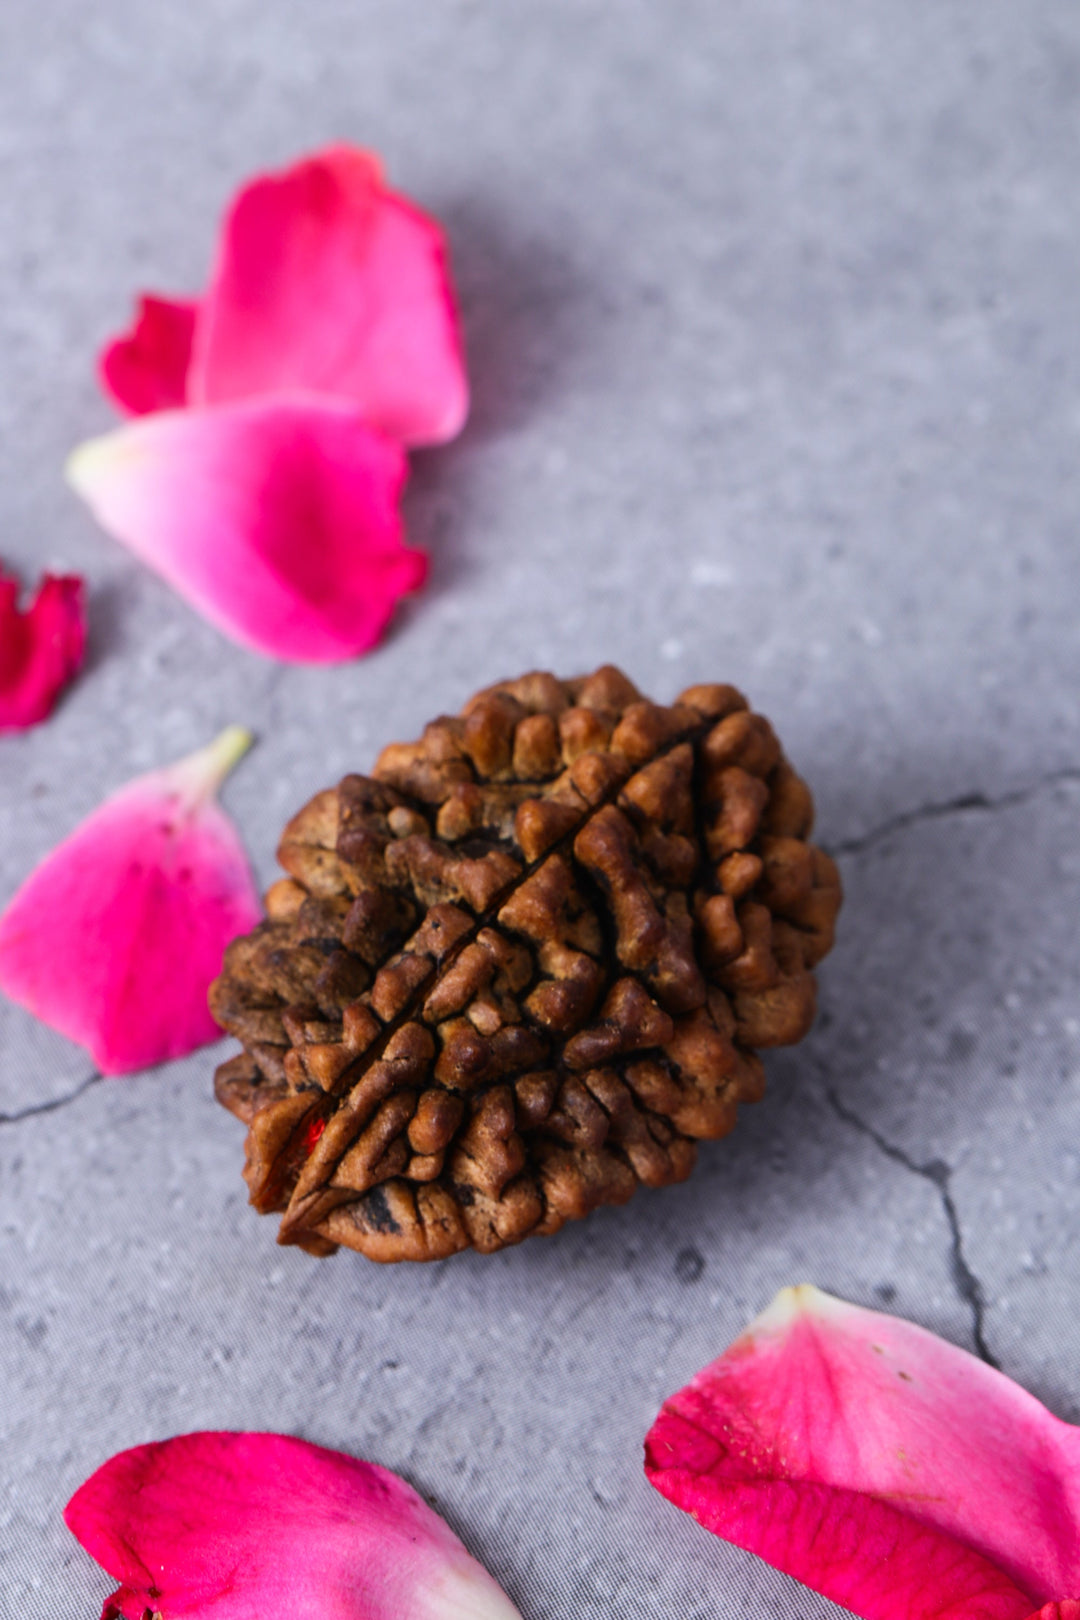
774	330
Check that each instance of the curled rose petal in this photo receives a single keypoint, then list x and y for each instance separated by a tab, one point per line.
277	519
41	650
892	1472
241	1526
330	283
145	369
115	938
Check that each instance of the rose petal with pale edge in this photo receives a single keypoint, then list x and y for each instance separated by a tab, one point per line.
263	1527
41	650
145	368
891	1471
327	282
277	519
115	938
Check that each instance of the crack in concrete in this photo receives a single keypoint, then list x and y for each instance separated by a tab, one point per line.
52	1106
950	807
939	1174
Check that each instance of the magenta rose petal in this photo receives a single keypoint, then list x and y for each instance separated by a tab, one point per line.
145	368
114	939
327	281
241	1526
894	1473
41	649
277	519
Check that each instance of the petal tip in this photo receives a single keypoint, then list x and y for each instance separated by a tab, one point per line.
230	746
786	1307
201	774
86	463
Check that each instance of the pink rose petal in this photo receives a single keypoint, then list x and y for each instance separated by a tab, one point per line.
41	650
266	492
116	936
277	519
329	283
145	369
262	1527
892	1472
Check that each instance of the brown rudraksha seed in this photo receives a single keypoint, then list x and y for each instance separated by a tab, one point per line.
523	967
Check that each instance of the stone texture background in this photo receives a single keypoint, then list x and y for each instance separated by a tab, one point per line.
773	324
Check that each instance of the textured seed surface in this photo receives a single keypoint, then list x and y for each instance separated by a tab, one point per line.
523	967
